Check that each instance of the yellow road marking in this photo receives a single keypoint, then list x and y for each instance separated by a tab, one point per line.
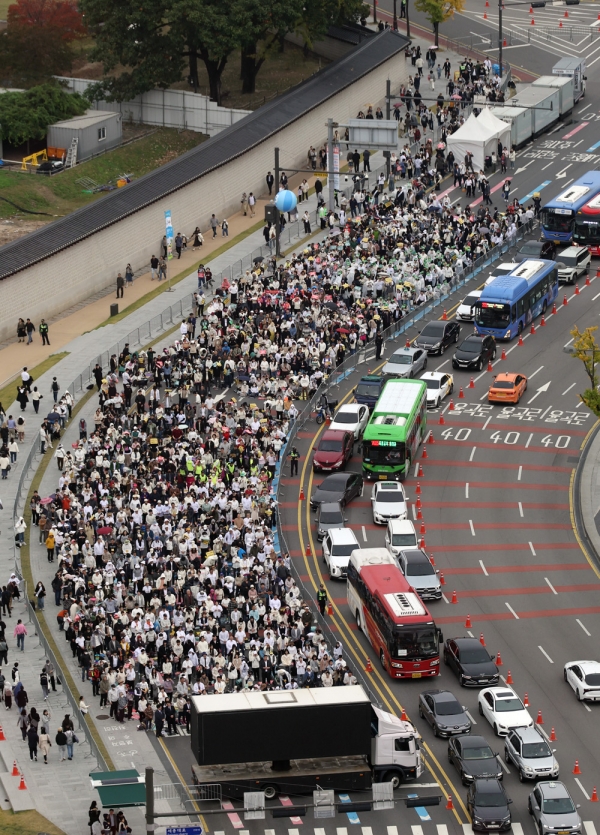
183	782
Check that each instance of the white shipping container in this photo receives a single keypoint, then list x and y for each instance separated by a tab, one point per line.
544	104
565	85
520	120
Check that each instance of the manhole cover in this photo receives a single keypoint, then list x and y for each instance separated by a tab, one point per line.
103	716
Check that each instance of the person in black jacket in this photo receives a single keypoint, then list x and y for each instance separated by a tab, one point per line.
170	716
32	741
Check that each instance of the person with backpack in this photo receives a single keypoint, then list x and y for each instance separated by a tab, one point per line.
3	652
44	684
55	388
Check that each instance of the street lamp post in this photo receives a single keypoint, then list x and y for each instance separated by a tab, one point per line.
395	22
500	38
407	21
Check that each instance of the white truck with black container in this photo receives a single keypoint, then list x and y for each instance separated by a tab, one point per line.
296	741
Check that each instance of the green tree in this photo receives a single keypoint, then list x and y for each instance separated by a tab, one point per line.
586	349
318	15
26	115
438	11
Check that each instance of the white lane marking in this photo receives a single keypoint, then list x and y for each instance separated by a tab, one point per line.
417	465
573	339
486	423
317	831
543	651
547	166
505	767
587	707
583	627
585	794
552	589
590	829
574	384
470	634
467	490
444	598
366	830
529	440
417	830
442	829
517	829
472	453
521	510
520	473
532	549
593	299
483	568
392	830
414	512
472	721
467	829
472	528
512	611
364	533
535	372
442	364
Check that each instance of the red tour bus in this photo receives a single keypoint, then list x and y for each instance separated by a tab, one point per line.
392	615
586	231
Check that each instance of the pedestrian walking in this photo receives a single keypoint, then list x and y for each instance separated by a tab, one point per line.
20	528
4	465
252	204
120	286
44	683
55	388
44	745
224	228
22	397
40	594
270	179
153	269
20	633
128	275
13	450
51	674
71	737
61	741
21	330
22	723
32	741
30	328
214	224
178	244
43	331
244	202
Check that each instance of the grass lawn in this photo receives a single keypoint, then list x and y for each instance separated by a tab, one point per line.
26	823
61	194
9	391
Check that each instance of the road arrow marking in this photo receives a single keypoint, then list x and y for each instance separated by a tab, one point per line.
563	173
545	387
518	171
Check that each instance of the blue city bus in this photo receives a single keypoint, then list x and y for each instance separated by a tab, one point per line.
511	302
558	216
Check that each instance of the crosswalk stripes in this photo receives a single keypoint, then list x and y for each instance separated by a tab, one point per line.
517	829
589	827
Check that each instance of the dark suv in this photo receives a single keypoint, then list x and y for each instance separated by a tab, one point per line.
536	249
488	806
437	336
368	390
475	352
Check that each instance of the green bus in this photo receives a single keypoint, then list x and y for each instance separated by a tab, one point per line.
396	428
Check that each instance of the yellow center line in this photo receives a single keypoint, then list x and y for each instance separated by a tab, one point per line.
175	768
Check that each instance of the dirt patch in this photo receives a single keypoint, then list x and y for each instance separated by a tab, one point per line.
16	227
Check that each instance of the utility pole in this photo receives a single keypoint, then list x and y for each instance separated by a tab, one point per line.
330	175
407	22
395	23
500	37
277	248
388	114
150	826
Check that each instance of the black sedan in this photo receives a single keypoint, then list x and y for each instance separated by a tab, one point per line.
437	336
338	487
444	713
471	662
473	758
488	806
536	249
475	352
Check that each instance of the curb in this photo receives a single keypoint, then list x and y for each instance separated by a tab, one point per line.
585	539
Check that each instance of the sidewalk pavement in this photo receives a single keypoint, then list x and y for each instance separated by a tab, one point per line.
589	492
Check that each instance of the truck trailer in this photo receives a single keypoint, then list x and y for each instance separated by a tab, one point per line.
296	741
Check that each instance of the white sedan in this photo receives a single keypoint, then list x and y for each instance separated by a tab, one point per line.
466	309
584	678
388	501
352	417
503	709
438	386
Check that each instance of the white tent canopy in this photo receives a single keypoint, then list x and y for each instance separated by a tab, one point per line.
476	138
500	128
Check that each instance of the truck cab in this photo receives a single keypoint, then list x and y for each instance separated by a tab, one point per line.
395	750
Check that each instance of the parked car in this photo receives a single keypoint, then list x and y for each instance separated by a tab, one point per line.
437	336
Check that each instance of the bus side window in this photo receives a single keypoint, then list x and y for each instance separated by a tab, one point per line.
514	313
521	307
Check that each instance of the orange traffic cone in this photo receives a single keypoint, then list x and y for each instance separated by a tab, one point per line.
499	660
368	666
504	42
422	531
424	454
308	551
543	321
471	383
302	496
554	309
532	329
418	489
509	678
577	289
526	700
454	597
449	804
485	17
566	14
22	786
444	315
442	580
565	301
503	354
461	394
15	770
594	797
404	717
587	281
490	366
2	737
481	639
468	622
420	473
418	503
431	560
560	26
539	720
329	609
552	736
422	543
532	22
451	406
442	420
576	770
431	438
531	10
520	339
419	514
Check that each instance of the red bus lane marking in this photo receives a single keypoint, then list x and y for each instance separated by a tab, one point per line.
491	505
512	569
514	546
491	465
233	816
491	485
508	592
541	613
518	447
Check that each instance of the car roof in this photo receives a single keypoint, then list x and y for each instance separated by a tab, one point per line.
554	788
573	250
330	507
401	526
343	536
474	293
415	555
434	375
392	486
371	378
505	376
443	695
502	691
336	478
464	643
409	351
350	407
535	244
436	324
473	741
334	434
588	666
532	734
490	785
475	336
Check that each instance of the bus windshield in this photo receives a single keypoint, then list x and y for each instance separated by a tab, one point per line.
416	642
378	453
497	316
557	222
586	233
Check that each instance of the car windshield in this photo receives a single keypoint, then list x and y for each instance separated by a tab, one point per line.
433	329
507	705
346	417
448	708
343	550
586	232
365	390
330	517
330	446
420	569
390	496
404	539
503	384
470	300
333	485
557	223
474	656
482	752
536	750
487	799
593	679
530	249
413	642
492	317
471	346
401	359
568	260
433	384
558	805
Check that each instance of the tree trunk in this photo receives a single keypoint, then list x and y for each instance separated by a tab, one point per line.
193	76
249	68
436	30
281	42
215	71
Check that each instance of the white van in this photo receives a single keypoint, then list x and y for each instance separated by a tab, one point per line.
338	544
400	535
573	262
